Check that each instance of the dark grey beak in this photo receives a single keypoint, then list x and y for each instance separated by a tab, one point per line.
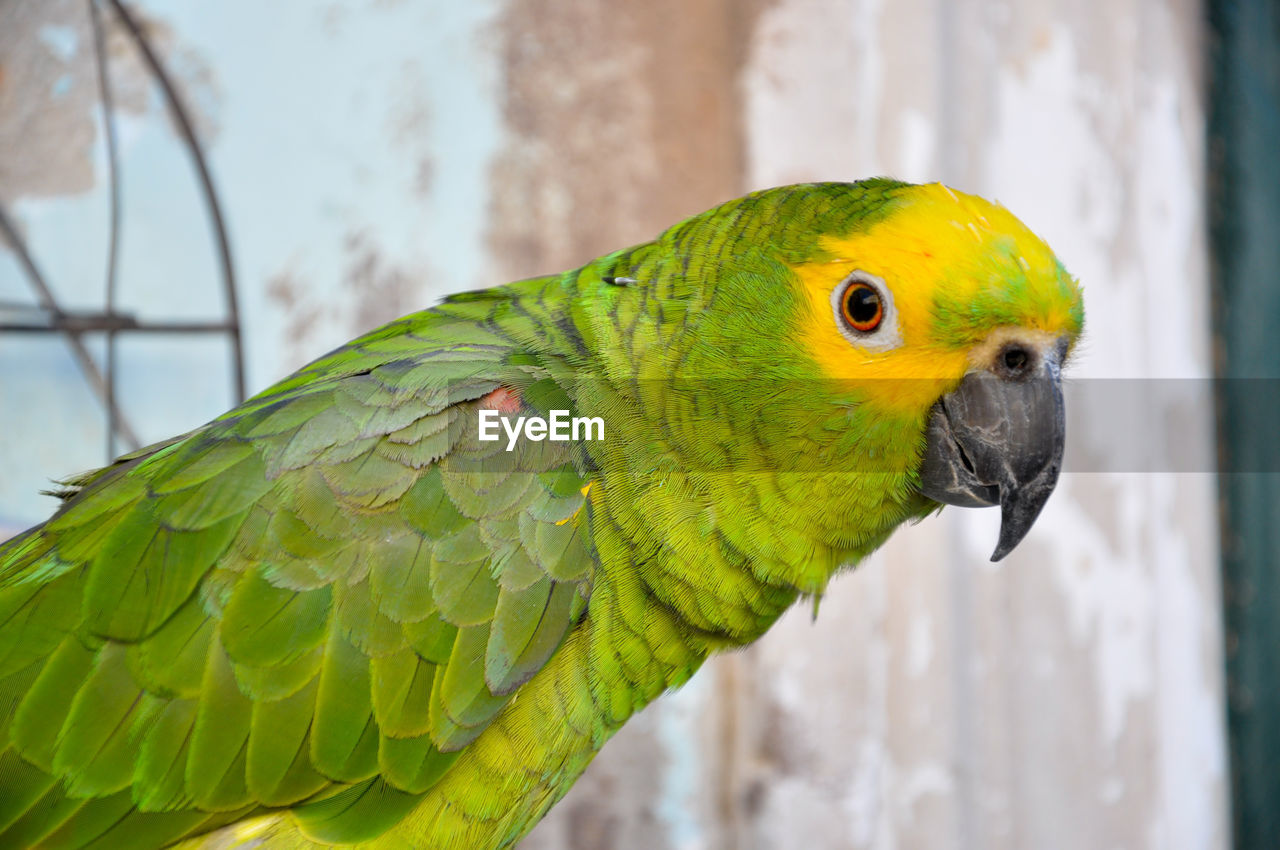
998	439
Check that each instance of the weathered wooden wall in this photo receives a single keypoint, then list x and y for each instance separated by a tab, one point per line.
374	155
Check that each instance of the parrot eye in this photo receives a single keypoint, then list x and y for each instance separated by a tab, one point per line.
861	306
864	312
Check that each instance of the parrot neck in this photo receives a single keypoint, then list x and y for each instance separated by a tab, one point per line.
711	506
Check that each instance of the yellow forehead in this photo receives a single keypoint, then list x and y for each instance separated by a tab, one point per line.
935	238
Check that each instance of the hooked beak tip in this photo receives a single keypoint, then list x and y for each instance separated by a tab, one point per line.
998	441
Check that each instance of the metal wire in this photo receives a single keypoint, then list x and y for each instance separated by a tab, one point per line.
78	350
180	116
49	316
113	226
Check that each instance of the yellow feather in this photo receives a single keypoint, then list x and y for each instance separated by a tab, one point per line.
935	237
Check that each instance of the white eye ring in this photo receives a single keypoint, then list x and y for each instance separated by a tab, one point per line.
886	335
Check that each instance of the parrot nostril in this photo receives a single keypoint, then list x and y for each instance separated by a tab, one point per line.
1014	361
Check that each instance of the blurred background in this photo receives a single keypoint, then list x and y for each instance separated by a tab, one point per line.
370	156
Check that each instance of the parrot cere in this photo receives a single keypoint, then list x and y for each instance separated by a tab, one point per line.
355	610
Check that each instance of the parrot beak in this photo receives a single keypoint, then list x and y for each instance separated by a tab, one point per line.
998	439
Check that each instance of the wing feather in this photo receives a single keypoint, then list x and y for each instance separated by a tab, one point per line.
316	601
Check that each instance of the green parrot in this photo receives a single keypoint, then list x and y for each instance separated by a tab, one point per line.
404	596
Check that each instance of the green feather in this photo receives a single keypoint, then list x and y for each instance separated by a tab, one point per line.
358	813
144	829
369	480
46	815
267	626
424	442
515	619
290	535
315	505
89	822
37	616
413	764
528	625
95	747
432	638
427	508
159	783
197	467
372	632
144	571
463	589
21	785
556	547
266	684
461	698
402	685
221	498
342	745
485	492
277	769
400	578
41	715
93	507
171	661
220	738
13	690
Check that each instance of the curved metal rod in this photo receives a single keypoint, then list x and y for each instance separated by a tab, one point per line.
78	349
180	116
113	226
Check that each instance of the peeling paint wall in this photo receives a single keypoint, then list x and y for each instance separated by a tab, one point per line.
375	154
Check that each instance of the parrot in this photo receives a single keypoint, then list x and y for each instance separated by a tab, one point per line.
353	612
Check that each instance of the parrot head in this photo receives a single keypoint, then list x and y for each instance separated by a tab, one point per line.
945	309
932	328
